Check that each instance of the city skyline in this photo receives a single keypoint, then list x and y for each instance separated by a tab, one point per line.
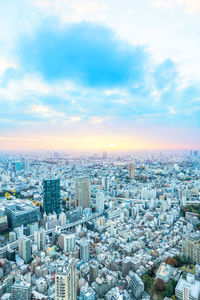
99	75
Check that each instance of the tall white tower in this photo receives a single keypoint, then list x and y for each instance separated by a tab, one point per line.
65	281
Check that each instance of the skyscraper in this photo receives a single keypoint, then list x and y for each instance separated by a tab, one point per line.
65	281
82	190
105	183
24	246
131	170
100	201
84	250
51	200
69	243
40	239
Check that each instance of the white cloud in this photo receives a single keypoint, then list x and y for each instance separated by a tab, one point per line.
192	6
96	120
45	111
73	11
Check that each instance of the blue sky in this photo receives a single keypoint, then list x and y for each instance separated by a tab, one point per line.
95	74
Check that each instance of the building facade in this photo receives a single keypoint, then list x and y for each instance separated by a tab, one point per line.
51	196
65	281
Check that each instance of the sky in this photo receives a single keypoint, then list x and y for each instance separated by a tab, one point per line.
99	74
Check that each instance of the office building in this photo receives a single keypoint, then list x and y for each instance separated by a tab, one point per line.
65	281
191	247
82	192
24	245
99	201
21	213
18	166
136	285
93	272
63	219
21	291
3	224
40	239
69	243
106	183
188	288
84	250
131	170
51	196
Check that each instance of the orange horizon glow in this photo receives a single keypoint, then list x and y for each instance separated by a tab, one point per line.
89	143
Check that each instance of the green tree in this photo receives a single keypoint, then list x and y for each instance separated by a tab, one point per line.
147	281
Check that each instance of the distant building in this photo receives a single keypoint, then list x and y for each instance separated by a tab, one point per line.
100	201
51	197
191	247
82	192
65	281
131	170
24	245
21	291
188	288
21	213
106	183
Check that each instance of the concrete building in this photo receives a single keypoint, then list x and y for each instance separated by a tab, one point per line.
84	250
69	243
21	213
99	201
65	281
136	285
191	247
24	246
21	291
82	192
188	288
40	239
131	170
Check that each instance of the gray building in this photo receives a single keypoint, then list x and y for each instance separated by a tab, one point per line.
82	192
84	250
188	288
21	291
21	213
136	285
24	245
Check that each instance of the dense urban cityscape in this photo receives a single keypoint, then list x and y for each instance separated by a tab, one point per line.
100	226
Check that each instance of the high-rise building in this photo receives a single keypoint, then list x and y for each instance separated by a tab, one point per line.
69	243
100	201
131	170
84	250
65	281
191	247
83	193
21	291
51	200
106	183
17	166
27	167
63	219
93	272
40	239
24	245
